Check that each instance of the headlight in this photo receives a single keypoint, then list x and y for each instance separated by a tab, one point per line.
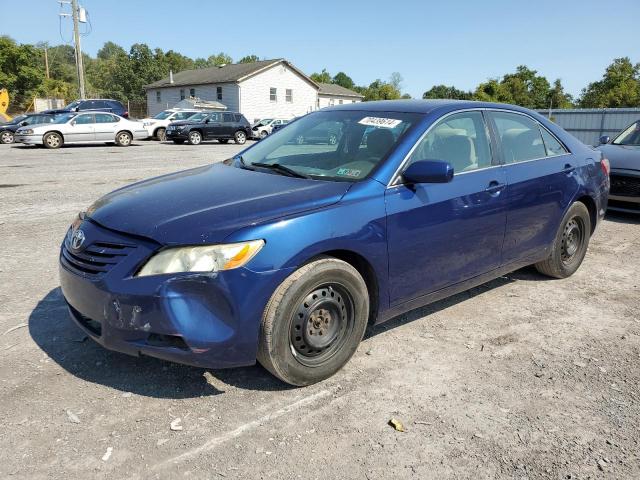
208	258
27	131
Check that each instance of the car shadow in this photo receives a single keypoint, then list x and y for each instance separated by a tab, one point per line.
623	217
75	145
55	333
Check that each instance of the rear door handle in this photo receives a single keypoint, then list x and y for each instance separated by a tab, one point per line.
568	168
495	187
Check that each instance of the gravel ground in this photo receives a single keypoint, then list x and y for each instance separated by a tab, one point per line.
522	377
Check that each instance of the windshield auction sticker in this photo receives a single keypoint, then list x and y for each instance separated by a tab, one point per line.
380	122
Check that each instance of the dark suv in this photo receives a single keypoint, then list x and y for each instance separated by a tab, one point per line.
221	126
96	104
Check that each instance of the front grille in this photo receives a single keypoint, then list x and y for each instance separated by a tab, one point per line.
96	259
625	186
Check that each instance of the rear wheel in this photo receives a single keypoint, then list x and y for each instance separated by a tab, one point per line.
161	134
240	137
123	139
53	140
6	137
570	245
195	138
314	322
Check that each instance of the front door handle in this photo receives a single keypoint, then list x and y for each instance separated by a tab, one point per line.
495	187
568	169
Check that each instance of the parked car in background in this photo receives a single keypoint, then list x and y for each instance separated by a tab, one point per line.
8	130
157	126
284	253
623	153
327	133
221	126
278	126
96	105
69	128
265	127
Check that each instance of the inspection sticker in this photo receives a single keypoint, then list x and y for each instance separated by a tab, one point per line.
349	172
380	122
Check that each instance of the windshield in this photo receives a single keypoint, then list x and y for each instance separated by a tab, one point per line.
72	105
337	145
163	115
629	136
64	117
198	117
19	118
263	122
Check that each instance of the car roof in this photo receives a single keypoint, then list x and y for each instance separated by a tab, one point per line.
421	106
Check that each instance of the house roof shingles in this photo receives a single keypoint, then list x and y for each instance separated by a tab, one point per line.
223	74
337	90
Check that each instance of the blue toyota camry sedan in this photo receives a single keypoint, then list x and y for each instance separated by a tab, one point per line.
284	253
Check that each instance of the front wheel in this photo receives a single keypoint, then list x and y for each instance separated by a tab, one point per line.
263	134
570	245
161	134
123	139
240	137
195	138
314	322
52	140
6	137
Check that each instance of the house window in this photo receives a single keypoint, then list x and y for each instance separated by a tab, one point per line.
273	94
340	102
158	96
219	92
289	95
332	102
353	101
182	94
192	92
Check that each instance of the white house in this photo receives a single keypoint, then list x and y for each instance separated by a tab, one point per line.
268	88
330	94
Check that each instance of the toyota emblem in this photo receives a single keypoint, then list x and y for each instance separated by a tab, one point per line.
77	239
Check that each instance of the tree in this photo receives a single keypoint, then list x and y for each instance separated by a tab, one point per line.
249	59
323	77
444	91
558	98
381	90
343	80
619	87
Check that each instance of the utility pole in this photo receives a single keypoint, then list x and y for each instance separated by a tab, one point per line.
46	61
76	39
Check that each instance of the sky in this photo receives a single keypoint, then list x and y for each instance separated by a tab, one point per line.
459	43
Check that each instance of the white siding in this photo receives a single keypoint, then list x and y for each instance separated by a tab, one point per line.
325	100
255	100
171	95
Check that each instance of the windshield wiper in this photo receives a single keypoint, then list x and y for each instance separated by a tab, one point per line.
276	167
243	164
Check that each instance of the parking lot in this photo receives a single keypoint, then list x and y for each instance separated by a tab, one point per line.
523	377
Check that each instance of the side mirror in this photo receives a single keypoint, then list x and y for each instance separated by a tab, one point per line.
73	123
207	121
24	124
428	171
604	139
75	109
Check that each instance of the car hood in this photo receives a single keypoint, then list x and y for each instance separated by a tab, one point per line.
622	156
206	204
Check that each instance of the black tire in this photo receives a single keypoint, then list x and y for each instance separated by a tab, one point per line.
263	134
240	137
52	140
179	142
6	137
195	138
223	140
314	322
161	134
570	245
123	139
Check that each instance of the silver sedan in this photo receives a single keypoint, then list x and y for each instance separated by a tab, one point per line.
90	127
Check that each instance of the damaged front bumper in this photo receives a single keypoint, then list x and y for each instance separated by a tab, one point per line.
208	320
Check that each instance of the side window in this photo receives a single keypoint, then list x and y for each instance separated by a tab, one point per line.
520	137
182	115
554	147
105	118
460	139
237	117
84	119
227	117
214	117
